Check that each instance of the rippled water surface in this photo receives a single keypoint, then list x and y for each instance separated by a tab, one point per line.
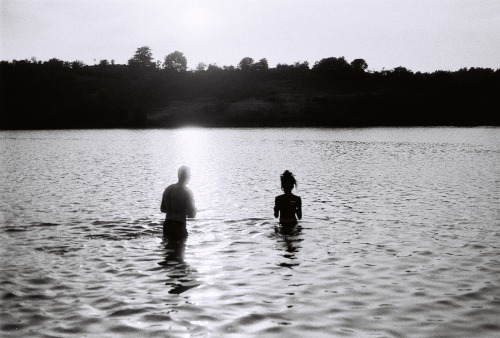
400	235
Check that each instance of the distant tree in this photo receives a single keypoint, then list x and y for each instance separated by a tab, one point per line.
213	68
200	67
331	65
262	65
56	63
400	74
77	64
175	61
295	71
359	65
23	62
246	64
401	71
302	65
143	57
103	63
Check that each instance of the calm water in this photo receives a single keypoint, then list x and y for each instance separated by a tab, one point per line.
400	236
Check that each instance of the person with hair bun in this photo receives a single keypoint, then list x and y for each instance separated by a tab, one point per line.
288	205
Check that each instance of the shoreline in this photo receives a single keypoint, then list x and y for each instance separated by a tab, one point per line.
188	126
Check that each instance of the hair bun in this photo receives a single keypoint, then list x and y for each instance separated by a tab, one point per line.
287	180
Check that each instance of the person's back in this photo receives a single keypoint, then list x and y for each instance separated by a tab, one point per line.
177	203
288	206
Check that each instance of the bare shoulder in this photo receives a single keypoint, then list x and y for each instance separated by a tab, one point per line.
169	188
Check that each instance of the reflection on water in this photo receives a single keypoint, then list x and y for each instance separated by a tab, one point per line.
289	237
399	236
179	273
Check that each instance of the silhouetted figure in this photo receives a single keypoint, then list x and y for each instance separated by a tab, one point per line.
288	205
177	203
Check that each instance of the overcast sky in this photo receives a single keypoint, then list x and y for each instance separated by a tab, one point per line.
422	35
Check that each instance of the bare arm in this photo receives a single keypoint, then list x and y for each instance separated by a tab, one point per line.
191	208
164	202
276	209
298	211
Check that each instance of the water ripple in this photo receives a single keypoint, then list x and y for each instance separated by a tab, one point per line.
399	236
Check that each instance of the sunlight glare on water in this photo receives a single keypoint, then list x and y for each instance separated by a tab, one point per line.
190	142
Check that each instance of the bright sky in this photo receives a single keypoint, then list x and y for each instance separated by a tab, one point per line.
422	35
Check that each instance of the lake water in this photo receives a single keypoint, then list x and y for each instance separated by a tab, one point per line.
400	235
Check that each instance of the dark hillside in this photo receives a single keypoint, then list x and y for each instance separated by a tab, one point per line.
332	93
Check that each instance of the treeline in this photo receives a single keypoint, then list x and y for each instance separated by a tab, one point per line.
333	92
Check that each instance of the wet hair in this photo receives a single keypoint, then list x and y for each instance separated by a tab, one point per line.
288	181
183	173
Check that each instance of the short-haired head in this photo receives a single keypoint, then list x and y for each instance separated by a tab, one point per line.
288	181
184	173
